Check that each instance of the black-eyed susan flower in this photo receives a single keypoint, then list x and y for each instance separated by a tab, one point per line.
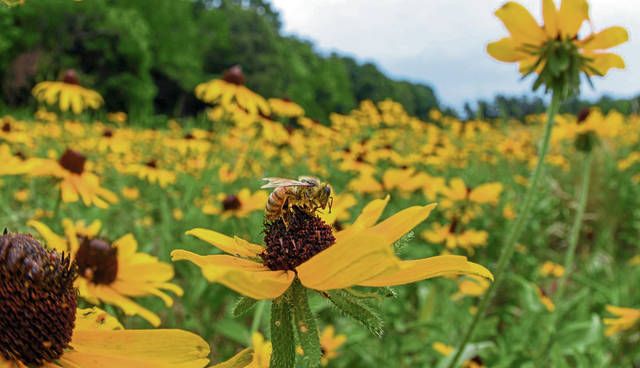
455	236
151	172
624	319
330	343
112	272
42	327
231	90
237	205
303	252
75	181
545	300
470	285
67	94
555	51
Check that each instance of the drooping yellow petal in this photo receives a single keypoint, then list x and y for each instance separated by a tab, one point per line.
550	17
53	240
111	296
348	262
246	277
571	15
137	348
605	61
607	38
520	23
241	360
421	269
505	50
394	227
234	246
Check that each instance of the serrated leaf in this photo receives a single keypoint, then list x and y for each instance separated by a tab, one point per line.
305	324
243	305
357	310
282	338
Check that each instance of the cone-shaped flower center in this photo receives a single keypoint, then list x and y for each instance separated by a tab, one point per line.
152	164
73	161
583	115
234	75
295	238
37	301
97	261
6	127
231	202
70	77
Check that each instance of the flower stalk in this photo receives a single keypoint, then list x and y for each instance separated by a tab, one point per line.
516	230
569	257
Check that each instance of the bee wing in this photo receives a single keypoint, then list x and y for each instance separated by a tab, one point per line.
282	182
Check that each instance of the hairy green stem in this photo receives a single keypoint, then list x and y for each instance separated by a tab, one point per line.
569	257
515	231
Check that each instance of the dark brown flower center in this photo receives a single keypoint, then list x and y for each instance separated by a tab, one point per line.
234	75
6	127
294	238
108	133
152	164
97	261
70	77
231	202
189	136
583	115
73	161
37	301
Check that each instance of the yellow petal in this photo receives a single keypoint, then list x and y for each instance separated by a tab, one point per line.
53	240
95	319
394	227
367	218
607	38
348	262
137	348
520	23
505	50
234	246
486	193
246	277
571	15
240	360
605	61
550	17
421	269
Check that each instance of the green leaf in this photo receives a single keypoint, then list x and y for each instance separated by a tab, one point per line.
305	324
282	338
357	310
243	305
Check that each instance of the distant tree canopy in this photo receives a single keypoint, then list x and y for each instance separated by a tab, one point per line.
146	56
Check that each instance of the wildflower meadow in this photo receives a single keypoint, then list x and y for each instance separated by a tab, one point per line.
160	211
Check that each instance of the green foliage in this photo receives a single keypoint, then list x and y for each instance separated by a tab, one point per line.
282	336
305	323
358	310
159	56
243	305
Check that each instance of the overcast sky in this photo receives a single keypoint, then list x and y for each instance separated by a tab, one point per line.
442	42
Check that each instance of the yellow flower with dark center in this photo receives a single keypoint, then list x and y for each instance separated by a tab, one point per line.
14	164
625	319
329	344
285	107
307	248
75	182
554	50
257	356
67	94
231	90
42	327
112	273
470	286
453	236
237	205
151	172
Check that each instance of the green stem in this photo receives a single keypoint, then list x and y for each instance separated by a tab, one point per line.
515	231
257	317
569	257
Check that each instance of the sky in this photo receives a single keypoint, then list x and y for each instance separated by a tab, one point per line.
442	42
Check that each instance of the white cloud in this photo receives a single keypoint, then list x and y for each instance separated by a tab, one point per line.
442	42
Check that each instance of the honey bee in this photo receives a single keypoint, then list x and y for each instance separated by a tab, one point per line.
307	193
